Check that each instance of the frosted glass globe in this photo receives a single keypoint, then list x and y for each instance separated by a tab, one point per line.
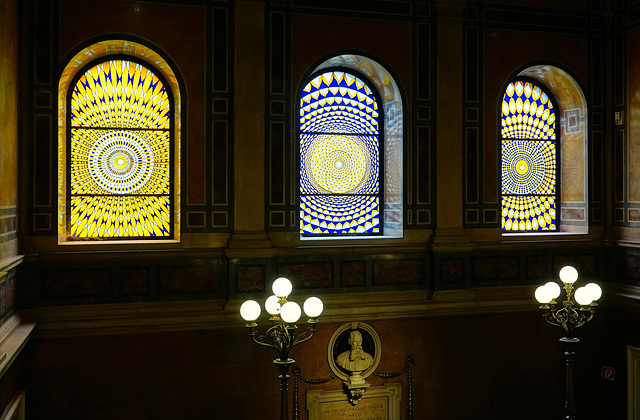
272	305
313	307
281	287
250	310
554	289
543	294
568	274
290	312
594	291
582	296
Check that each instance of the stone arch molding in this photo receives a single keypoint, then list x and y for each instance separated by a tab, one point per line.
88	54
574	202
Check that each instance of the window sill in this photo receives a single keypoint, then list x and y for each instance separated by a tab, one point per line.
535	234
119	242
349	238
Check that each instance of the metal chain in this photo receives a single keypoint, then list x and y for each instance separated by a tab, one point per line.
298	376
407	369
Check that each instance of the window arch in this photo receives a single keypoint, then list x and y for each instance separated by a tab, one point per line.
529	141
350	151
118	145
565	100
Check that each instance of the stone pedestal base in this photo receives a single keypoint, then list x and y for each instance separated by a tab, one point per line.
379	402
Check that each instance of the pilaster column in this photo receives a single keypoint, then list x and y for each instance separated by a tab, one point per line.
249	119
449	235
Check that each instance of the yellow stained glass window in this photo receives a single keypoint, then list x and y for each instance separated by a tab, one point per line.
120	138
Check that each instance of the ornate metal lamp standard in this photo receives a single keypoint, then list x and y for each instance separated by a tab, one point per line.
576	310
282	335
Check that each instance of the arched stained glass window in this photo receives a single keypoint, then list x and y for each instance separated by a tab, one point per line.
120	166
340	155
529	158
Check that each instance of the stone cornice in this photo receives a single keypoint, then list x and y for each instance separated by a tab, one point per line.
14	335
9	263
150	317
189	315
622	296
127	318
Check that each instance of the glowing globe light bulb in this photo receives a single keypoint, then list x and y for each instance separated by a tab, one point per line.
594	291
250	310
554	289
290	312
582	296
543	295
568	274
272	305
313	307
282	287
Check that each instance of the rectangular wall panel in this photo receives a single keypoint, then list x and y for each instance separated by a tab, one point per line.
220	156
42	160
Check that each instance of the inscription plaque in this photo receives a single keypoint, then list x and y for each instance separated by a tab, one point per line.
378	403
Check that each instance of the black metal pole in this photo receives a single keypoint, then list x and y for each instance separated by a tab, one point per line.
283	366
569	357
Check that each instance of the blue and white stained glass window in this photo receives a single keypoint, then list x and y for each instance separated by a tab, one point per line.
529	159
340	158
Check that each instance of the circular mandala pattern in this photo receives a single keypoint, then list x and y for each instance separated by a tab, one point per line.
120	161
524	167
337	164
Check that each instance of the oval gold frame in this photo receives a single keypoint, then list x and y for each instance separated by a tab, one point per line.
332	343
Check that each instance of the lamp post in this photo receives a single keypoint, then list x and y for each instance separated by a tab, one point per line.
577	309
282	335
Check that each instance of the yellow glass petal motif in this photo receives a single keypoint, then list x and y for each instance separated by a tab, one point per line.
529	161
120	216
339	157
523	99
347	214
120	153
528	213
120	93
